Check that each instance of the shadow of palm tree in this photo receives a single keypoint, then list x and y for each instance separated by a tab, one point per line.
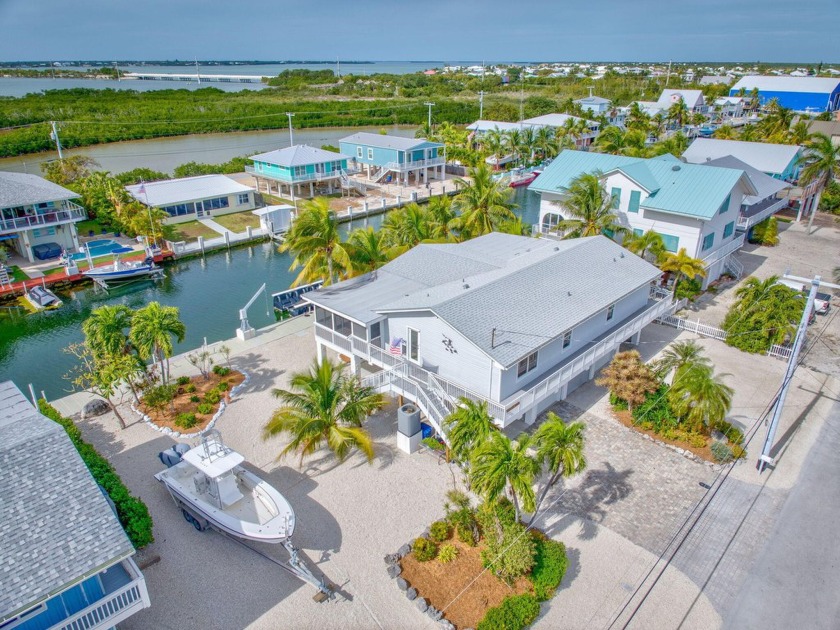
262	378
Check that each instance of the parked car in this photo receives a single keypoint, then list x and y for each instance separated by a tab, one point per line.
822	301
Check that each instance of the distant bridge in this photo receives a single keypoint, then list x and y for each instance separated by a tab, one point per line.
197	78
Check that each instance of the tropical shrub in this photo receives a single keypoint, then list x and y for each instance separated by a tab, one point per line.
514	613
205	408
550	564
510	550
764	314
738	452
732	433
424	549
158	396
447	553
212	397
617	403
183	380
656	411
433	443
466	534
688	288
195	399
223	386
766	232
628	378
186	420
221	370
132	512
721	452
190	388
461	516
439	531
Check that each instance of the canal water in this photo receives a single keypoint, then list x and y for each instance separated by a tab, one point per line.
208	291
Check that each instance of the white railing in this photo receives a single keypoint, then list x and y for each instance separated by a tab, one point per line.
780	352
696	326
405	166
734	266
746	222
433	385
294	179
722	252
71	212
113	607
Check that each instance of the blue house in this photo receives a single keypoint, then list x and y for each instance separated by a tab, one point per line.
396	159
295	170
65	561
810	95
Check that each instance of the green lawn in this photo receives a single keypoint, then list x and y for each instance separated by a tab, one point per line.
238	221
83	227
189	231
17	274
276	201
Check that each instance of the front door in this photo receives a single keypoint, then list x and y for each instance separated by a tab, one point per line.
414	345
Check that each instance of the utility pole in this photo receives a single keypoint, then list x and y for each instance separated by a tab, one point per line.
481	105
54	136
765	459
291	133
521	98
338	66
430	105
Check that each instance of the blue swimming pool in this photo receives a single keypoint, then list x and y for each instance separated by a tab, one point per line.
100	247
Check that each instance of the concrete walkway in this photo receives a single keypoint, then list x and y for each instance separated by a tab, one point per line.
215	226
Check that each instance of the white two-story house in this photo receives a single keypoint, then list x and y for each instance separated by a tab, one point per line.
691	206
512	321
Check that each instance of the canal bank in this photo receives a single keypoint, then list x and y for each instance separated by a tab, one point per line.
208	291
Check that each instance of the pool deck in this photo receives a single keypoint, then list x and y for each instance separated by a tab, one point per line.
17	288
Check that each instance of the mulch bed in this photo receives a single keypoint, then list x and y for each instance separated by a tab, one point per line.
626	418
183	404
441	583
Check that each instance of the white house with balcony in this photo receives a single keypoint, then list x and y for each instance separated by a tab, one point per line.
191	198
691	206
508	320
37	217
394	159
65	561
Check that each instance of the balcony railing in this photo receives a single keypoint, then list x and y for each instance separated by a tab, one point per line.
113	607
70	212
761	211
407	166
722	252
516	405
298	179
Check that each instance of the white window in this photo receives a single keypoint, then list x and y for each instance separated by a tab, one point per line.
567	339
370	154
526	365
244	198
358	152
610	312
414	345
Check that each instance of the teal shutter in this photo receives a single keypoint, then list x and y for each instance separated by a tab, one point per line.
708	241
727	231
616	197
725	207
672	243
635	198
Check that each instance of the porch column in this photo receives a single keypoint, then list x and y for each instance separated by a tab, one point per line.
591	371
355	365
319	349
564	391
531	416
636	339
311	189
74	234
26	246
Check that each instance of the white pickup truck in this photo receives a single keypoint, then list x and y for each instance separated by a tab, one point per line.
822	301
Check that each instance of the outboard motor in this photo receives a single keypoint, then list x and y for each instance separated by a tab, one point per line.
173	454
148	260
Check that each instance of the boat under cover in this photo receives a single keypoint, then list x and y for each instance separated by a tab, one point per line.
211	481
42	298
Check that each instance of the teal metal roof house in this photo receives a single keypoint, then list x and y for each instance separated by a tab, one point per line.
65	561
394	158
298	169
691	206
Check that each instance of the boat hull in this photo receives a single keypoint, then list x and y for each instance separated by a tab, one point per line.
120	275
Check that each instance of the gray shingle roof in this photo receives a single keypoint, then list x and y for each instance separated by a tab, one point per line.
538	288
768	158
298	155
55	524
388	142
764	185
21	189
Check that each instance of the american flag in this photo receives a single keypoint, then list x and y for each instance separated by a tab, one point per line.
396	346
142	189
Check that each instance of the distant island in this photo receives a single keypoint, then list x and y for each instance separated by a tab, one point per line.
173	63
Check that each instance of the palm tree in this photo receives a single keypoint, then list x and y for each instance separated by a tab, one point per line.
821	164
152	329
367	250
443	216
765	313
528	142
700	397
588	202
315	243
560	450
544	142
324	406
499	466
482	202
680	357
106	330
513	143
493	143
799	133
649	242
677	112
467	427
682	266
637	118
725	132
405	227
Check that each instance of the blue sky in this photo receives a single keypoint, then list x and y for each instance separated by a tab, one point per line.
444	30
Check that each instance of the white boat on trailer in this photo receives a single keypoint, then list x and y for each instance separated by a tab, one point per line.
214	491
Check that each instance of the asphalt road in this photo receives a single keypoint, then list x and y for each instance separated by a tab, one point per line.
793	583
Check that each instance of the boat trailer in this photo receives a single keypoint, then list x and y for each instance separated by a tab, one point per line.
295	566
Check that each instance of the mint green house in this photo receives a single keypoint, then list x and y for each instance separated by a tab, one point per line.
299	171
396	159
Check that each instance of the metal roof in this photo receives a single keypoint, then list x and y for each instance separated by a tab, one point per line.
554	120
569	164
171	191
55	524
811	85
640	173
768	158
765	186
490	125
298	155
22	189
692	98
382	141
530	290
595	100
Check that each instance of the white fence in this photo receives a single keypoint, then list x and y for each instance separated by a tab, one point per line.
713	332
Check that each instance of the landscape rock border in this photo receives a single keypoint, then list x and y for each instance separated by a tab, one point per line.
234	391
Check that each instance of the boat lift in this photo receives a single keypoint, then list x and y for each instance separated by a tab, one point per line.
245	330
295	566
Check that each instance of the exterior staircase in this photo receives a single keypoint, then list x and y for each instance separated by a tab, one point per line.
348	183
734	266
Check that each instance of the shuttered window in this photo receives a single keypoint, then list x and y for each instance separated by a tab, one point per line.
635	198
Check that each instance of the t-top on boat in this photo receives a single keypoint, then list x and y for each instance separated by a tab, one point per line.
122	271
210	480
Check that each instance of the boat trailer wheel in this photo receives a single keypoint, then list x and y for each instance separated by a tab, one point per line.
191	519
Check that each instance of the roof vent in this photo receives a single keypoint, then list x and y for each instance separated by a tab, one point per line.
621	255
569	293
676	167
556	249
466	286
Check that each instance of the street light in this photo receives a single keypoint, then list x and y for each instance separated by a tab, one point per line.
291	133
